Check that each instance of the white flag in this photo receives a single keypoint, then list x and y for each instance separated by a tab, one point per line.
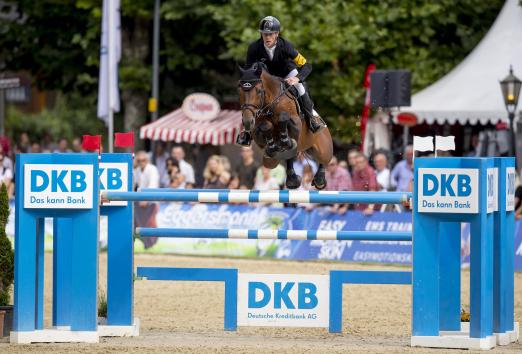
422	143
108	93
444	143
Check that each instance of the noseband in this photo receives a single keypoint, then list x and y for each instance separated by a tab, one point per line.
247	86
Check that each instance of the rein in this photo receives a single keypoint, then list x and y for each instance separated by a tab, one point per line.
269	107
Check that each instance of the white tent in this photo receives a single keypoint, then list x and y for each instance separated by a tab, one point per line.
470	93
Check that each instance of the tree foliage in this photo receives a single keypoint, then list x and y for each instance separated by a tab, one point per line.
341	38
6	250
202	40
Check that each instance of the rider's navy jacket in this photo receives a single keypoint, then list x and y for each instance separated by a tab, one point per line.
285	59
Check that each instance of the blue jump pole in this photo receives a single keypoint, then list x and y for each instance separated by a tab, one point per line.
285	196
275	234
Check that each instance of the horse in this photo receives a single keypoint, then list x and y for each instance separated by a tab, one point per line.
271	110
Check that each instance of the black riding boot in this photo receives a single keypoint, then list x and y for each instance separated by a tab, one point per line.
244	138
308	109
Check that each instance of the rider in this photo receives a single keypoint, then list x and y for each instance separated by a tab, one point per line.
282	60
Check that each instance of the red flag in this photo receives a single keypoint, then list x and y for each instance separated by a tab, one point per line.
124	140
366	109
91	142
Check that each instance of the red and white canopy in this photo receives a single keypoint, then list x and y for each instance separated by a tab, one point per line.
177	127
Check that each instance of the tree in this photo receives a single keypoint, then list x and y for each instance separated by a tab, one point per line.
202	40
341	38
6	250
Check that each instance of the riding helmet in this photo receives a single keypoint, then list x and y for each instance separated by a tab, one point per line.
269	24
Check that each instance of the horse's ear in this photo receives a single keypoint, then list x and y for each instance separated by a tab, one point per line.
241	70
258	68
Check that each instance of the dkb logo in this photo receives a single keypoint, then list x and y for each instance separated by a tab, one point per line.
112	178
443	190
287	300
446	185
41	181
50	186
306	295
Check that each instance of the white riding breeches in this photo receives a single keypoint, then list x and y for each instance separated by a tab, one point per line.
299	86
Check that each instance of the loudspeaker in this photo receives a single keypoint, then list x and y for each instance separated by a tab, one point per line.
390	88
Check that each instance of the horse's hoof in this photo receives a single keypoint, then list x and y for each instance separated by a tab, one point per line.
293	181
271	151
319	182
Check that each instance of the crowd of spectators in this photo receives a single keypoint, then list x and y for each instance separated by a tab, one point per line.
167	168
357	173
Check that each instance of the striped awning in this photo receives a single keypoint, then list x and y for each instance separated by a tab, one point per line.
177	127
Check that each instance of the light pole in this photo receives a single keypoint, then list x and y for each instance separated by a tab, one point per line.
510	87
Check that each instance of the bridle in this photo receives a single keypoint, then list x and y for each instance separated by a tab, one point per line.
247	86
263	109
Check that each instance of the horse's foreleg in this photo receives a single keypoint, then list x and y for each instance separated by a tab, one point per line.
265	129
293	181
284	120
319	180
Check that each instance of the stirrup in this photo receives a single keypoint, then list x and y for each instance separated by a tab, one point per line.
313	125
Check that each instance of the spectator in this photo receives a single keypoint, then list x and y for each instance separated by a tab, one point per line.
247	168
171	167
226	174
278	173
6	174
6	161
62	146
77	145
352	155
36	148
177	180
266	182
24	143
159	159
47	143
301	162
186	169
145	176
212	173
308	176
338	180
364	180
306	185
383	172
234	182
402	173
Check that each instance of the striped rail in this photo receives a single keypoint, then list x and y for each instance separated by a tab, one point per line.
269	234
249	196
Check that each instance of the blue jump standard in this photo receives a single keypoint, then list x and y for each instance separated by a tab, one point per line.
285	196
274	234
226	275
340	277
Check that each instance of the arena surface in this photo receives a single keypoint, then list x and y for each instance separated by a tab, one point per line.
188	317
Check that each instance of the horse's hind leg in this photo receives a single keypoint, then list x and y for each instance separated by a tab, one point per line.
293	181
319	180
